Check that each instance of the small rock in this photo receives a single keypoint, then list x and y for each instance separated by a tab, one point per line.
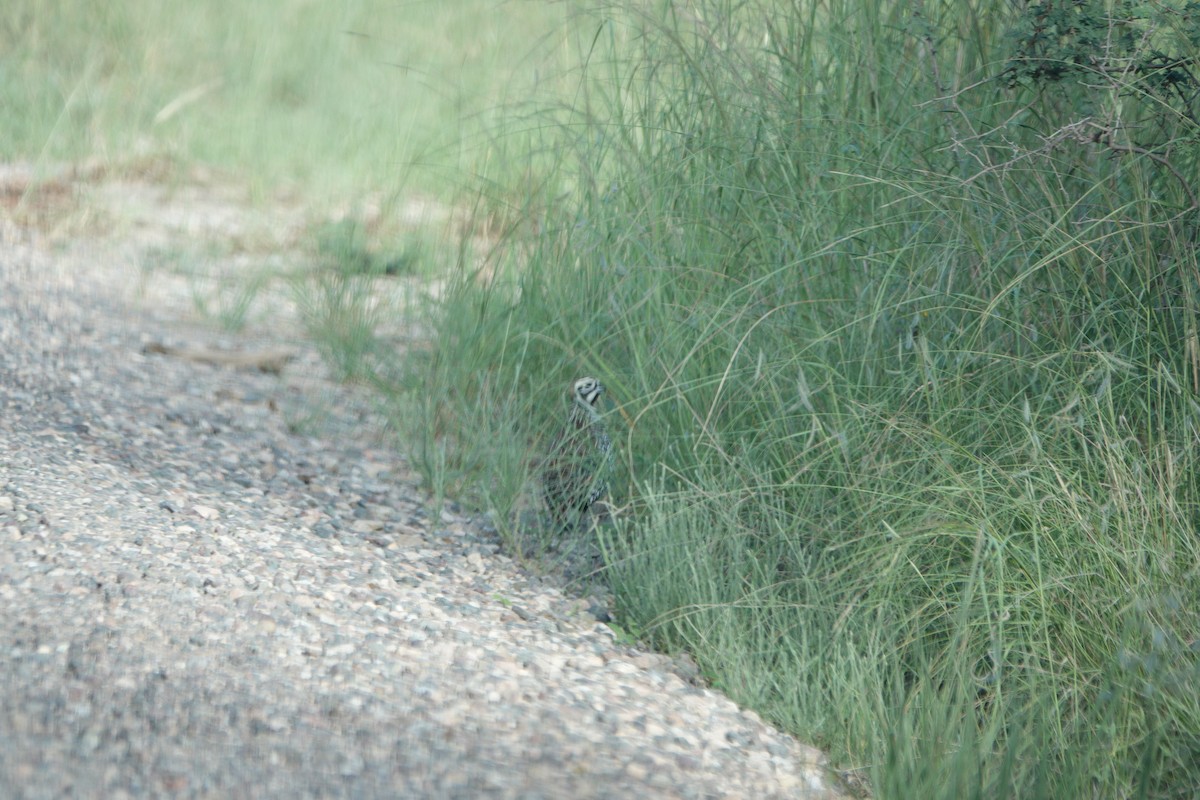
622	667
365	526
206	512
739	738
639	772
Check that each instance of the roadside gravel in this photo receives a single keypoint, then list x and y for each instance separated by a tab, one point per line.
197	601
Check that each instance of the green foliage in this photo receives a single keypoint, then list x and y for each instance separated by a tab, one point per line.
342	310
1155	43
231	298
908	388
334	99
1122	75
344	245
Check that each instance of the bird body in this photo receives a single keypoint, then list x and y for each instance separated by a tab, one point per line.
575	473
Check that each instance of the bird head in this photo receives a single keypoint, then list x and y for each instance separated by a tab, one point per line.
587	392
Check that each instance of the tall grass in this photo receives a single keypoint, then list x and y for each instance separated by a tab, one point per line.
332	99
908	380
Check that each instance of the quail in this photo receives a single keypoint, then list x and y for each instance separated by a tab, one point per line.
575	472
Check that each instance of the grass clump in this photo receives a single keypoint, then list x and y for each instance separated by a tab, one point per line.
904	344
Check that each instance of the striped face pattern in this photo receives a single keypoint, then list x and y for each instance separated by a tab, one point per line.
588	391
